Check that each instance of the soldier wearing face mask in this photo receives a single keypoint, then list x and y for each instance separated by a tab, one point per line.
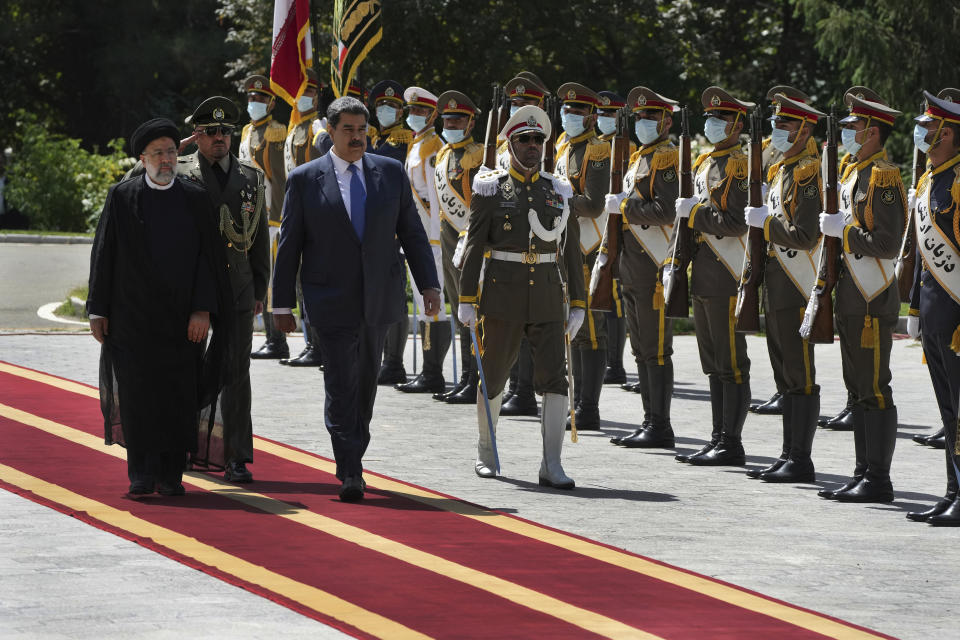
584	160
650	189
715	213
525	89
261	143
790	223
390	138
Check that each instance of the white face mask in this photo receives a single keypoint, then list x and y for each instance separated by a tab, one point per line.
513	109
646	130
257	110
607	124
572	124
848	138
920	138
715	129
453	136
417	123
386	115
305	104
780	139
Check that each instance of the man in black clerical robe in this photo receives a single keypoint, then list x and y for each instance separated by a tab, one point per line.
157	283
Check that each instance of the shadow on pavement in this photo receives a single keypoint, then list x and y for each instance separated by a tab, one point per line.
593	492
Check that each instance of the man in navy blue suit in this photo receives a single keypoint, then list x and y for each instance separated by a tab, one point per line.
343	215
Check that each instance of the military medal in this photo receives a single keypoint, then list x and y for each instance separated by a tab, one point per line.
506	224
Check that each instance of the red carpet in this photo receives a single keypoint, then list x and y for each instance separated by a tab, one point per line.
406	562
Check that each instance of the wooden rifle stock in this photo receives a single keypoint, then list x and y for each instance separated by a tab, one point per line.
551	106
493	128
820	307
677	290
601	281
748	297
908	250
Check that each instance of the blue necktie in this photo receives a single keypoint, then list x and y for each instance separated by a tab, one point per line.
358	199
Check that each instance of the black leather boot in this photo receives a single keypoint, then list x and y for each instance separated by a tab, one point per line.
311	355
843	421
616	337
772	407
937	441
391	369
642	387
729	449
948	498
466	364
576	370
949	517
512	380
523	402
467	392
716	409
436	343
593	363
925	438
798	466
635	387
860	452
880	429
757	472
658	433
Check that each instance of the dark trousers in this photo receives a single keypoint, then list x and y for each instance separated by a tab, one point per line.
351	357
235	399
152	467
944	367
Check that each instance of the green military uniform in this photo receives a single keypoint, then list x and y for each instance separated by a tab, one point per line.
873	205
720	190
792	232
522	222
651	186
261	143
584	161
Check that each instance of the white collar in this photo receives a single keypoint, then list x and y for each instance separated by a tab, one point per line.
158	187
342	165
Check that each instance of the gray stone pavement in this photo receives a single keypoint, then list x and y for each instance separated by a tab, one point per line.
35	274
863	563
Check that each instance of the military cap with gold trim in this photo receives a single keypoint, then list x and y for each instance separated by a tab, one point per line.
717	99
417	96
535	79
258	84
576	93
641	98
527	119
524	89
949	94
864	93
868	110
790	92
389	90
610	101
787	108
215	111
455	103
939	109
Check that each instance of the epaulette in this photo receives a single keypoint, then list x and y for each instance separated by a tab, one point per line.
443	153
805	169
665	157
249	165
633	157
472	156
431	146
885	174
400	136
275	132
737	165
597	150
560	184
502	147
812	147
485	183
766	143
700	160
245	132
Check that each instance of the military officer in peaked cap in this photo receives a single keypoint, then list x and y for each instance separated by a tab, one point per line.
261	143
650	190
715	213
584	161
524	89
520	216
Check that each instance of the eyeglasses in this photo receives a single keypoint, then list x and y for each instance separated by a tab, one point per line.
530	139
164	153
212	131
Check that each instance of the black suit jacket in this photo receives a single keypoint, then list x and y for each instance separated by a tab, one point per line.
347	280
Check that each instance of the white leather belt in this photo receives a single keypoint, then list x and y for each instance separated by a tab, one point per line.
523	256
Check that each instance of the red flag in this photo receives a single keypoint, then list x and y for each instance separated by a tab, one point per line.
292	51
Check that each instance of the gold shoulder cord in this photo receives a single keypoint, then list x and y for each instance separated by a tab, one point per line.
242	240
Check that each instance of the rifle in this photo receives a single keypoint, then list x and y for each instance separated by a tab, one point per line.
907	261
493	128
748	296
552	107
676	293
817	326
601	280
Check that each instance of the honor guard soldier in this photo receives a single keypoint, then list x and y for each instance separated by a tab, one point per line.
715	213
651	187
521	216
935	297
261	143
610	105
391	139
525	89
296	151
870	223
456	165
790	220
238	191
584	161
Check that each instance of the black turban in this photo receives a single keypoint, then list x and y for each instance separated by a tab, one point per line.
150	131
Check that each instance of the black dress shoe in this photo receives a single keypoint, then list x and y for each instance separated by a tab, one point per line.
140	488
423	384
687	457
937	441
166	489
309	357
237	472
467	395
520	405
352	489
615	375
922	516
271	351
391	375
630	386
950	517
773	406
791	471
831	494
650	438
843	421
619	439
756	472
867	490
726	453
586	420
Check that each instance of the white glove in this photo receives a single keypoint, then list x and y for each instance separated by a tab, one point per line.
913	326
832	224
764	190
574	320
467	314
685	205
911	199
614	200
756	216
